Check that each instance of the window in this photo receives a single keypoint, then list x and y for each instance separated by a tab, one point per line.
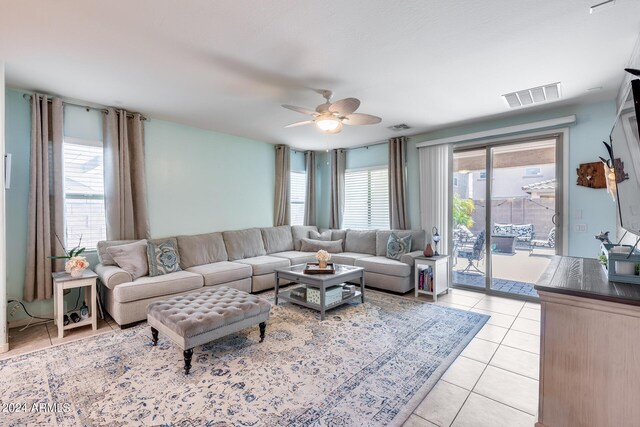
532	172
83	193
366	198
298	192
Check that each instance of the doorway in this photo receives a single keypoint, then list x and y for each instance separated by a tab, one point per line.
506	214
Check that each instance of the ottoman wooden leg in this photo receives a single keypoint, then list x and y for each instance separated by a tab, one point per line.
263	329
187	360
154	334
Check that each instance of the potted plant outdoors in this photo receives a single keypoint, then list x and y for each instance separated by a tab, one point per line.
75	264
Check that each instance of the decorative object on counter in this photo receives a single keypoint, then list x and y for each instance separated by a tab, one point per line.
428	251
436	239
621	261
603	237
323	256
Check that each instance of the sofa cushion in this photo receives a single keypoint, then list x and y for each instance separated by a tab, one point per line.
398	246
310	245
221	272
201	249
244	243
163	257
384	265
361	241
502	228
131	257
325	236
296	257
277	239
150	287
336	234
418	239
265	264
301	232
103	255
347	258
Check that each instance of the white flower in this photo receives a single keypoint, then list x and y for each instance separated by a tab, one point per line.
323	255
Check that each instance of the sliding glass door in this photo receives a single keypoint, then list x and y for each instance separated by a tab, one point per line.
506	204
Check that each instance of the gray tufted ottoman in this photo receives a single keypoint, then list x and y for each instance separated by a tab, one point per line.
200	317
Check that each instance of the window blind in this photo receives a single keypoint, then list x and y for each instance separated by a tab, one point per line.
298	191
366	201
84	194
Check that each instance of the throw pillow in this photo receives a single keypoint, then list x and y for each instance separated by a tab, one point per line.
131	257
325	236
163	258
398	246
310	245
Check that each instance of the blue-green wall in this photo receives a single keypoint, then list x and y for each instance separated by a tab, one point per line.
198	181
593	125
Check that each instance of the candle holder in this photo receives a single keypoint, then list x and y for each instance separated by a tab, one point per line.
436	239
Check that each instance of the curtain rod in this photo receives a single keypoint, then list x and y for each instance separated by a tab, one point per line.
87	107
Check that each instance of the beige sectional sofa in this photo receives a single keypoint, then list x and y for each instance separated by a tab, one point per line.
247	260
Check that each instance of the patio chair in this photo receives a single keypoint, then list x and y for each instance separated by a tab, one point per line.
550	242
473	254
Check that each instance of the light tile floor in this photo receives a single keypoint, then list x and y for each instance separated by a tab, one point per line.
39	336
494	381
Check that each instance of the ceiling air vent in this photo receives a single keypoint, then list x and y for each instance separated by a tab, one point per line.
535	95
398	128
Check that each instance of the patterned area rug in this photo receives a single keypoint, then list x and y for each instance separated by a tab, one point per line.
366	364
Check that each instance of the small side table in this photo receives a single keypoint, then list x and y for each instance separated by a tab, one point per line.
435	275
63	281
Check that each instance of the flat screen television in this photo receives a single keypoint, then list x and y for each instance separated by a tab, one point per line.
625	144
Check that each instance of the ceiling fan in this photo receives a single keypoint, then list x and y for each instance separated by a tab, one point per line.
329	117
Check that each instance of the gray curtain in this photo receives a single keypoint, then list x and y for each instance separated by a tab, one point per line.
125	189
338	165
398	210
282	214
46	198
310	194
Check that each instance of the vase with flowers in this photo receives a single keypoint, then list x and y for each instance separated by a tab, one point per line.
75	264
323	256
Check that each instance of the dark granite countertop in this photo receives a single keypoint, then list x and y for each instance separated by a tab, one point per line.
585	277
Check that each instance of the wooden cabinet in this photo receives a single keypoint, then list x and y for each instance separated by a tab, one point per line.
590	348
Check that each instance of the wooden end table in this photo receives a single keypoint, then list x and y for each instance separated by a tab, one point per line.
63	281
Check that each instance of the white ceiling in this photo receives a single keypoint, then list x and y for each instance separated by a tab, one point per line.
228	65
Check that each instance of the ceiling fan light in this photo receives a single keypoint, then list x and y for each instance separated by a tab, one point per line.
329	124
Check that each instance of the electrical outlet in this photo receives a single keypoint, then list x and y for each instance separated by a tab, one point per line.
14	309
580	228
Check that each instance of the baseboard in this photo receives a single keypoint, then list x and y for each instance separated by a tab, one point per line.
4	347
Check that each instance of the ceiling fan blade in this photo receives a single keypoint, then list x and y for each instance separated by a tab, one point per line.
306	122
361	119
344	107
300	109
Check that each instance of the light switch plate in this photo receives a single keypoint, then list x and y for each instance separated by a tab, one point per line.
580	228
